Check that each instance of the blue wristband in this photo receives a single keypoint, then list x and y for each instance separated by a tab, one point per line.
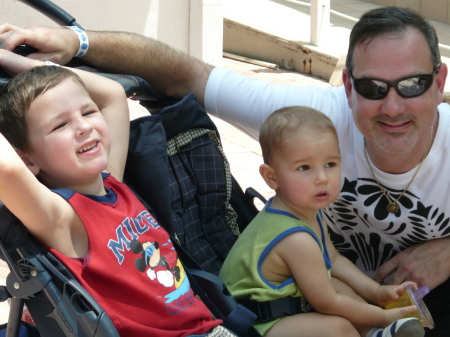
84	41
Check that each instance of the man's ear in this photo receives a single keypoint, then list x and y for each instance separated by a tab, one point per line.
26	158
269	176
441	77
347	85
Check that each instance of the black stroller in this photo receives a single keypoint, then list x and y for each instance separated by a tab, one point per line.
181	192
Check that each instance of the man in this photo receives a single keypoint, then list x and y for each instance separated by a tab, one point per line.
392	217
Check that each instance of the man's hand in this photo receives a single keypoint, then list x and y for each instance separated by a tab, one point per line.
58	45
426	264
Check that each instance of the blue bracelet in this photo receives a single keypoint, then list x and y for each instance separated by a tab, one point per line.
84	41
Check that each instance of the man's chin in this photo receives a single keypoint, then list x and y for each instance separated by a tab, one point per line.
395	144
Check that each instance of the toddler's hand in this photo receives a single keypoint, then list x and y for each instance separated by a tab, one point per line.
393	315
389	293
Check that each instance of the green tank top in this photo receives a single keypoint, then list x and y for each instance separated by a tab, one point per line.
241	270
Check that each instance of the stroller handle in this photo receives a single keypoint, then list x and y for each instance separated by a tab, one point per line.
53	12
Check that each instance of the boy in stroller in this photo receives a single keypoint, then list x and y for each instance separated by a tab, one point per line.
60	133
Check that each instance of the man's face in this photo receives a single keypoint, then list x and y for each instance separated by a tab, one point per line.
395	124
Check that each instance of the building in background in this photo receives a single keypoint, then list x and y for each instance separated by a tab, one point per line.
192	26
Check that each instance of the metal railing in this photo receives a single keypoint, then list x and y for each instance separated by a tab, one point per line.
320	11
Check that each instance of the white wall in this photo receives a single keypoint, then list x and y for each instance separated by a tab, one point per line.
193	26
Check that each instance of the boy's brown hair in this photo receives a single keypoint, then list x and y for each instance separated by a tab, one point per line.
17	96
277	128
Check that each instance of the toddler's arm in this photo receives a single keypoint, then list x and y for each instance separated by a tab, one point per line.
311	276
363	285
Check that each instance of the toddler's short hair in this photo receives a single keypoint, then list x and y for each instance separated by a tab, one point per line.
17	96
277	128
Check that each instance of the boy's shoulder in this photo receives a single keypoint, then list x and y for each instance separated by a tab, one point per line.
271	222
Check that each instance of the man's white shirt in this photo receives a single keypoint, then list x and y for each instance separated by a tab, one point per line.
359	224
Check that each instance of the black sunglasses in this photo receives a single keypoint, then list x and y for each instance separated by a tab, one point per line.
407	87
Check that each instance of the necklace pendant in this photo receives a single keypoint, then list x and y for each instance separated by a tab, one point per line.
392	208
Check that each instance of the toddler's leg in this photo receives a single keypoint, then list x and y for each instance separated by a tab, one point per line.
312	325
405	327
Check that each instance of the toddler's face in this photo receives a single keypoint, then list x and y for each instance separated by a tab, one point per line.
308	170
69	137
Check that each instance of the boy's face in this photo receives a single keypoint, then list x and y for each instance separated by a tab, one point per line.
68	135
308	170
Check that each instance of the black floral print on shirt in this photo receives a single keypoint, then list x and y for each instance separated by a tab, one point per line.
424	222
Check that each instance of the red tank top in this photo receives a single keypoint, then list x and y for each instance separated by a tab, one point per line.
132	268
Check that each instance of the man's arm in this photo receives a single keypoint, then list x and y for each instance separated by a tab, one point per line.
427	263
239	100
169	71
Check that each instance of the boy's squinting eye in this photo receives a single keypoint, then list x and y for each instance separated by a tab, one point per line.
330	164
89	112
59	126
303	168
